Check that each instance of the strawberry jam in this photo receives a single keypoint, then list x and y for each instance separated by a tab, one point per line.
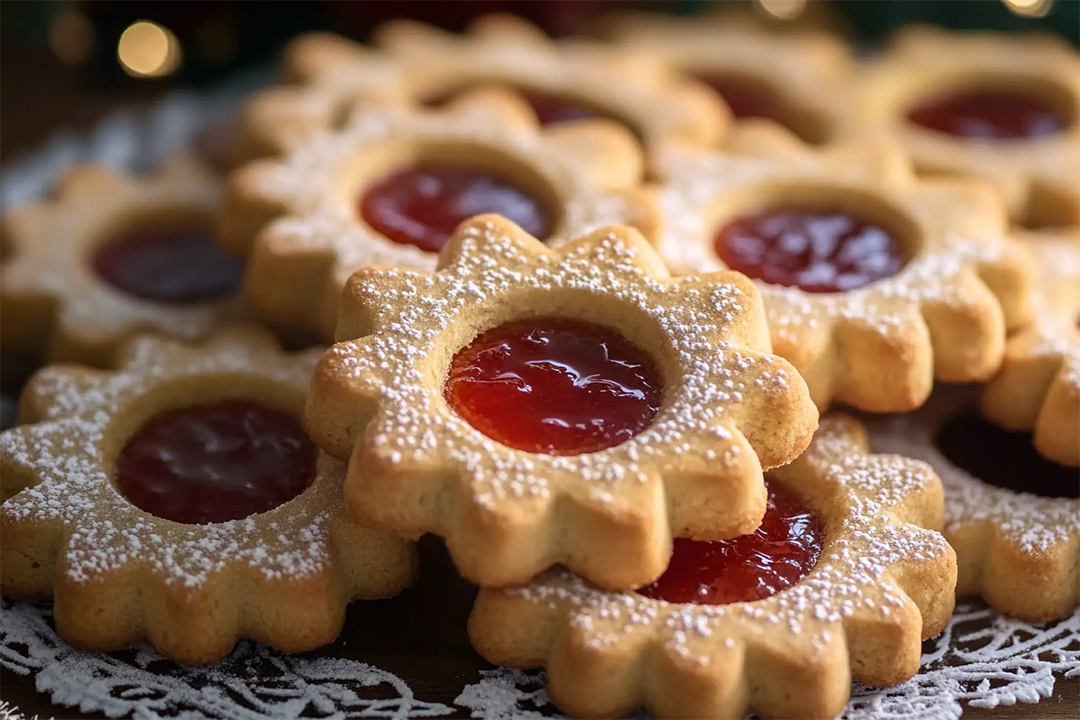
168	265
555	386
423	205
747	97
1004	458
988	115
216	462
750	567
819	250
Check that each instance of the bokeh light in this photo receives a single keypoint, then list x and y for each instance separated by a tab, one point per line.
147	49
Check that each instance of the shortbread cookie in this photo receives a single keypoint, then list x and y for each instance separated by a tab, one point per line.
1000	107
563	81
177	499
875	282
111	256
391	186
1038	387
792	78
840	583
1018	550
537	406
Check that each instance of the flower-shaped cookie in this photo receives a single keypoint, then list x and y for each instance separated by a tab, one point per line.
875	282
1017	550
1038	387
390	186
207	436
562	81
881	583
1001	107
111	256
538	406
792	78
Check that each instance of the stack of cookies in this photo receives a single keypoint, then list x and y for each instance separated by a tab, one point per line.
584	309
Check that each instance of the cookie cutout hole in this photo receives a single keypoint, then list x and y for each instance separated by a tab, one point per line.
215	462
555	386
991	109
748	568
816	239
1003	458
176	264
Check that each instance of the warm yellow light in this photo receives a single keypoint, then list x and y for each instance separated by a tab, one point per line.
148	50
1029	8
71	37
783	9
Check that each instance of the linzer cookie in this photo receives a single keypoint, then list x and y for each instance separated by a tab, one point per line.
177	499
1038	388
111	256
391	186
999	107
875	283
1012	515
537	406
791	78
841	582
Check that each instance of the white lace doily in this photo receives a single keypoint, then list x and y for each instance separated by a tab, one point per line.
982	658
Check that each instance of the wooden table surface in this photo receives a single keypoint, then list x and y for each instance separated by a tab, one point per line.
420	635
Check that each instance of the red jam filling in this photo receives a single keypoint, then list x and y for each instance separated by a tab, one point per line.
819	250
747	97
1004	458
989	115
169	265
750	567
216	462
422	205
555	386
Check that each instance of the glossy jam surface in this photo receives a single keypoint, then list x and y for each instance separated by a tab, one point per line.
747	97
1003	458
421	206
169	265
216	462
555	386
750	567
819	250
989	115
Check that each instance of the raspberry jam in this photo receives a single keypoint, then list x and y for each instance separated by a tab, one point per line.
1003	458
819	250
747	97
216	462
168	265
422	205
750	567
989	115
555	386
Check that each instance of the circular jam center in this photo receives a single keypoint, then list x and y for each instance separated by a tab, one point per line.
747	97
750	567
422	206
169	265
816	250
1004	458
555	386
989	115
216	462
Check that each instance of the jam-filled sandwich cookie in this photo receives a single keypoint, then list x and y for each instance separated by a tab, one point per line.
1012	515
1038	387
875	282
1001	107
393	183
792	78
536	406
561	82
840	582
177	499
110	256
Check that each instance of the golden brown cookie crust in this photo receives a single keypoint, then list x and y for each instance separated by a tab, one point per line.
729	408
119	574
53	304
880	347
882	585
